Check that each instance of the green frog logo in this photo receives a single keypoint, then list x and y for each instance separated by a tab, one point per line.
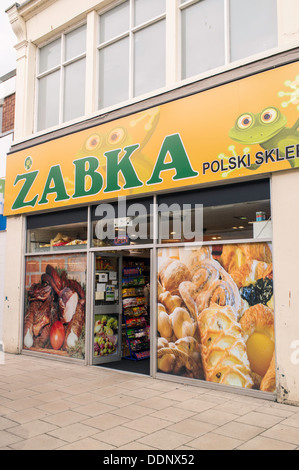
268	129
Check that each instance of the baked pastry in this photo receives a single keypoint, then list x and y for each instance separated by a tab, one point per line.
206	272
169	301
235	256
164	324
258	327
250	272
268	383
224	356
180	358
171	274
221	292
188	293
192	258
182	323
210	284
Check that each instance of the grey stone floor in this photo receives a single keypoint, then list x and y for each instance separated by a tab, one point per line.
47	405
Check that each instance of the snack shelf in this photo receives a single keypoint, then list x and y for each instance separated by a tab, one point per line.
134	313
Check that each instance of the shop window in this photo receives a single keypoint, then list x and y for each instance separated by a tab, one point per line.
230	212
131	46
122	223
63	230
212	32
61	79
215	312
55	304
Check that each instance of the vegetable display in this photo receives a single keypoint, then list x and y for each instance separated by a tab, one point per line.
105	335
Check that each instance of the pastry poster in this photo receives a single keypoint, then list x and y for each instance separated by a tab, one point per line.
239	129
216	314
55	299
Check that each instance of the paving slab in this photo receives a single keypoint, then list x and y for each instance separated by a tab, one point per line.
53	405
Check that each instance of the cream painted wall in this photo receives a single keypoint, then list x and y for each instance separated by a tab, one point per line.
13	282
285	204
2	277
289	24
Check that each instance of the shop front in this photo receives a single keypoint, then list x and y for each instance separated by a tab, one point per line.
149	238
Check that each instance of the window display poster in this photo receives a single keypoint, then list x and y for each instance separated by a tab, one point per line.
216	314
55	297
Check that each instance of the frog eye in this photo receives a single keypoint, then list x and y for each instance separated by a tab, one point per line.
116	136
245	121
269	115
93	142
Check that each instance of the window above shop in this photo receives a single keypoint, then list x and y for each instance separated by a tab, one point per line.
217	32
61	79
137	48
132	50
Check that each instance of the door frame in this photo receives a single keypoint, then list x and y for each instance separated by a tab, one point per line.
118	309
153	303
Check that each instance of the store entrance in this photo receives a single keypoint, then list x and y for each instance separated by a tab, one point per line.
121	313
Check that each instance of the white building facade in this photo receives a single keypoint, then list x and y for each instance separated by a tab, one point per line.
197	74
7	94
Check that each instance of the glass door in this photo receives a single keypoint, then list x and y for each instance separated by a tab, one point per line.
107	308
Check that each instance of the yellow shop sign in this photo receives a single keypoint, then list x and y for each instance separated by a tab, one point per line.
239	129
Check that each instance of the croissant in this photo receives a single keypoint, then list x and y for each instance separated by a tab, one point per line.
258	251
250	272
224	356
234	256
258	326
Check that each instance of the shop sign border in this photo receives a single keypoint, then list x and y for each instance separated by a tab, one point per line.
240	129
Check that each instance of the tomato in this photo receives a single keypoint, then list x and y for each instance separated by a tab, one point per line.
57	335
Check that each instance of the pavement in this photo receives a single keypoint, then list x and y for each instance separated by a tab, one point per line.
49	405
